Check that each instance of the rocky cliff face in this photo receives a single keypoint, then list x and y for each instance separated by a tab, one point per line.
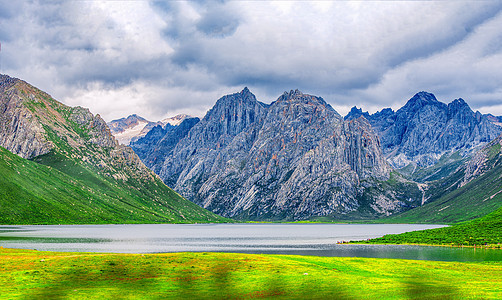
424	129
488	158
293	159
160	141
20	131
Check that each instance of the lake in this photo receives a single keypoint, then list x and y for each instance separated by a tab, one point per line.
297	239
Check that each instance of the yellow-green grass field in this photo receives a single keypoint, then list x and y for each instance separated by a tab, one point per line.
29	274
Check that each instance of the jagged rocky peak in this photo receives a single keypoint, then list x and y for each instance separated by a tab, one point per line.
131	128
420	100
297	104
176	120
459	106
355	113
232	113
424	129
297	96
424	97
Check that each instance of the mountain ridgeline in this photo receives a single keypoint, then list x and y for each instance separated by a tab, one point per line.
69	169
294	159
425	129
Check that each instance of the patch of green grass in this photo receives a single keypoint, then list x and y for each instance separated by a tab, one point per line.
57	190
485	231
27	274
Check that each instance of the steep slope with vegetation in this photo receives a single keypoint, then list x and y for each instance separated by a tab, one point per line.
473	191
479	232
87	178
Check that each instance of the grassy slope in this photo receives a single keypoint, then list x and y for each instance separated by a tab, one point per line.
482	231
33	193
30	274
448	204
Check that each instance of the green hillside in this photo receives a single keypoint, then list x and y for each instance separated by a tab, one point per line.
482	231
34	193
448	203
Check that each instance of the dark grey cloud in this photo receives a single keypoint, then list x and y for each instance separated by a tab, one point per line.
163	57
217	22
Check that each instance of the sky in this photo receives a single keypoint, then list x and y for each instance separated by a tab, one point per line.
162	58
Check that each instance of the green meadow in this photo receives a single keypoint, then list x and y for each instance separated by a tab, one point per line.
485	232
29	274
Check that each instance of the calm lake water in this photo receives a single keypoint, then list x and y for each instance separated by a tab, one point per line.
298	239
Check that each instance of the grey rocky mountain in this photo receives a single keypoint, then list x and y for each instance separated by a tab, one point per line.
160	141
293	159
424	129
20	131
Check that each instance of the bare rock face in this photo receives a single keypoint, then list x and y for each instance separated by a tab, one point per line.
424	129
293	159
160	141
20	131
482	161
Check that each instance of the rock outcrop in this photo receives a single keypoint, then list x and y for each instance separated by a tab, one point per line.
20	131
293	159
482	161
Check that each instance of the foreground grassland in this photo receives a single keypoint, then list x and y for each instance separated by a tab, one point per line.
31	274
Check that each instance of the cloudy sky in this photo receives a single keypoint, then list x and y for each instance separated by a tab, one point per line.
161	58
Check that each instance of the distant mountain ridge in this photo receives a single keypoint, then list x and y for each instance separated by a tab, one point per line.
293	159
424	129
95	180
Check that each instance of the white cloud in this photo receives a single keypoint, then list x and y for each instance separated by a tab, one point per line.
166	57
470	69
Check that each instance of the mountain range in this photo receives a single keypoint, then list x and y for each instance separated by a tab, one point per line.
297	158
425	129
292	159
62	165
